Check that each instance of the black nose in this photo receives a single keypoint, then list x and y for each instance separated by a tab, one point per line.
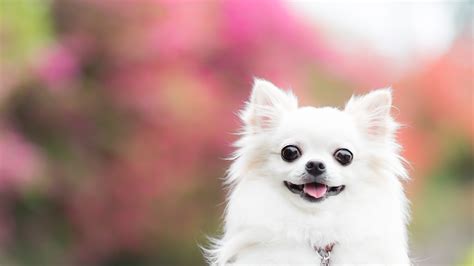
315	168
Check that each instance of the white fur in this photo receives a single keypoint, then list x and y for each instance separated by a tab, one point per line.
267	224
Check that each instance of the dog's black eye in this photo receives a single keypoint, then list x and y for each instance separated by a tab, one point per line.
290	153
343	156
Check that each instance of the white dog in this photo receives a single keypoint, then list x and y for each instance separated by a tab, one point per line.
315	186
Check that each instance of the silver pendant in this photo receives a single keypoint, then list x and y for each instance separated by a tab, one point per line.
325	254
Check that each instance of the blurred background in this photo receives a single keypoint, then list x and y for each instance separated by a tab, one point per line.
115	116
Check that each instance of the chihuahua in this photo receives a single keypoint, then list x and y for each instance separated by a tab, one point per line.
314	186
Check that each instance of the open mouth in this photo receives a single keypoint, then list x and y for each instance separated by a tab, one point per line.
314	192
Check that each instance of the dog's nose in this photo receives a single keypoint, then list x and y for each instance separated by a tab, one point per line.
315	168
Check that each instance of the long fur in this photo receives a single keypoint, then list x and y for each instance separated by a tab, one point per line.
266	224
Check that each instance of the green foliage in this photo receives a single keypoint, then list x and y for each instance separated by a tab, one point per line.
25	27
469	260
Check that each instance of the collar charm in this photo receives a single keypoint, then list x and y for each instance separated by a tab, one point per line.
325	254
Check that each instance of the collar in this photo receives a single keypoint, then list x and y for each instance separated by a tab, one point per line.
325	253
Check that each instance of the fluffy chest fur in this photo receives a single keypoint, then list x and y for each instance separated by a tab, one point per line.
263	228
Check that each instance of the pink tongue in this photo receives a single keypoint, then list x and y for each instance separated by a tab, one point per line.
315	190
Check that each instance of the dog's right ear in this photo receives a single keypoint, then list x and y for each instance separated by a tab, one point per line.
266	106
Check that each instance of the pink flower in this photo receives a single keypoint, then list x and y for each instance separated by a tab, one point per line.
19	160
58	67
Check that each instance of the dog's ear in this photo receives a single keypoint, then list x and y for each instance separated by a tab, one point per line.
266	106
372	113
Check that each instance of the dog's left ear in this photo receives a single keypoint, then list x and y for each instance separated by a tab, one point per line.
372	113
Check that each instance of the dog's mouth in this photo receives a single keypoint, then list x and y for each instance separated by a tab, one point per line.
314	192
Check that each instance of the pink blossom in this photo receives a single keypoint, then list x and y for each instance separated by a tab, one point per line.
58	67
20	162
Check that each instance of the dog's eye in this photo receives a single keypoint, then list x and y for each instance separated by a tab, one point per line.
290	153
343	156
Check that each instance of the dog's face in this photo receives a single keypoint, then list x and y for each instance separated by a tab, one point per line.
313	155
315	152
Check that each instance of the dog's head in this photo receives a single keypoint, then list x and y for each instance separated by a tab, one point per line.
313	155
